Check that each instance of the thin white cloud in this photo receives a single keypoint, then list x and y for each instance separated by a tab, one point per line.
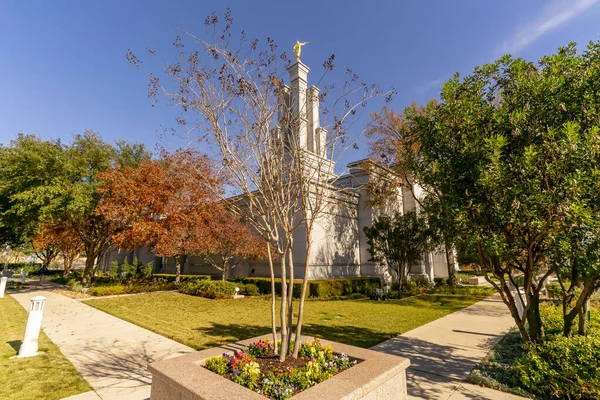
429	86
558	13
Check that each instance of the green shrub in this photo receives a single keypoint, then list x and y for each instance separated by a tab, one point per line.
422	282
356	296
74	285
208	289
61	280
146	270
182	278
466	290
322	288
439	282
342	286
134	286
29	268
107	290
113	269
249	289
410	286
129	270
218	364
561	368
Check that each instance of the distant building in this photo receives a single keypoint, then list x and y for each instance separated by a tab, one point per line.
339	246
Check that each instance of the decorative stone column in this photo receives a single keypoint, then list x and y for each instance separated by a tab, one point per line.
2	286
29	347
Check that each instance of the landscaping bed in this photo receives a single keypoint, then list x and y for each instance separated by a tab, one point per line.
115	286
258	368
557	368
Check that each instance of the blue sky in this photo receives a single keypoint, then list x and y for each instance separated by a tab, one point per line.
63	68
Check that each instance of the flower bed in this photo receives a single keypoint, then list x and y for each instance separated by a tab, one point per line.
259	369
376	375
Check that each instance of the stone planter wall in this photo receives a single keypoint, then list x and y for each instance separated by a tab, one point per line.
378	377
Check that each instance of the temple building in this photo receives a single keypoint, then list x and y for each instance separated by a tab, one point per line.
339	247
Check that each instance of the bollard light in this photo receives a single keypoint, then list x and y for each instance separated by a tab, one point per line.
29	347
2	286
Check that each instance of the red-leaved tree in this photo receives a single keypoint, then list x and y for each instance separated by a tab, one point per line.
165	204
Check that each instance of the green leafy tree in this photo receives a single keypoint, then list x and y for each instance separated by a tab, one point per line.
398	242
512	152
49	182
30	169
87	157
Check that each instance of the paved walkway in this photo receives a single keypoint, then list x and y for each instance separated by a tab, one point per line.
111	354
444	351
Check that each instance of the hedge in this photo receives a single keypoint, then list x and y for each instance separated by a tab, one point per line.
133	287
322	288
216	289
182	278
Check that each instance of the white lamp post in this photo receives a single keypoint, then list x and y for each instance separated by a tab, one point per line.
29	347
2	286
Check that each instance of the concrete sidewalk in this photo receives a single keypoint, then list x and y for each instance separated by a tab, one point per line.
111	354
444	351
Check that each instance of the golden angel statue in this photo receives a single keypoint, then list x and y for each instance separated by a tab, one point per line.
298	49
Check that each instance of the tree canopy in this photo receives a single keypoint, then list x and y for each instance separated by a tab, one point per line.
50	182
510	155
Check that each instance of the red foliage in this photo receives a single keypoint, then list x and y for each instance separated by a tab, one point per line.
173	205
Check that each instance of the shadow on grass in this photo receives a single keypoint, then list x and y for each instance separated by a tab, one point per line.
15	344
355	336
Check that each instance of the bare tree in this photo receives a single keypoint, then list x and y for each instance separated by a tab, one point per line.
268	138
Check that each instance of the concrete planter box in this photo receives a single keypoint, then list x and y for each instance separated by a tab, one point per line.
378	377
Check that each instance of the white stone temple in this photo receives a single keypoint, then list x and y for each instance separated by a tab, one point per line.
339	246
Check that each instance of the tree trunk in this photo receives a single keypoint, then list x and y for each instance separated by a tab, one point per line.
223	270
452	281
583	317
273	296
283	311
302	295
568	321
580	308
88	271
177	260
534	319
402	276
68	264
568	314
290	299
509	300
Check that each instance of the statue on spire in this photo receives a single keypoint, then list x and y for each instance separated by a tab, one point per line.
298	49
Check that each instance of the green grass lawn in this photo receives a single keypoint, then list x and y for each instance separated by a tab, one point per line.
47	376
201	323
